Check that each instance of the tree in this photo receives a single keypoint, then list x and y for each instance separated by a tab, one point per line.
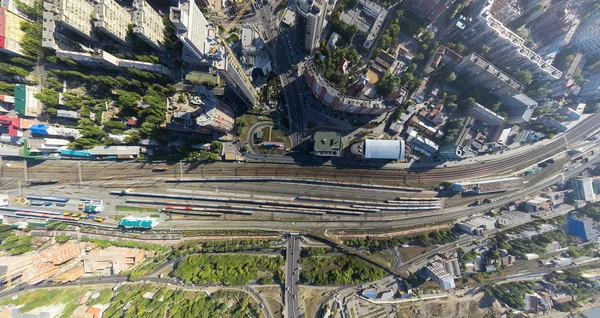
419	57
386	41
495	107
484	49
466	104
460	48
592	108
388	83
451	77
523	76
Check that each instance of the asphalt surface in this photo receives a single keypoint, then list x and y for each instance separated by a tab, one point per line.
292	278
283	51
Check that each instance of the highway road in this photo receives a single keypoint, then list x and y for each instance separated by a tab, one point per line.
292	278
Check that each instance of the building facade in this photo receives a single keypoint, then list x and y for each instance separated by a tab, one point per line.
587	36
582	227
334	99
310	15
508	50
583	190
192	27
148	24
112	19
429	10
483	73
438	274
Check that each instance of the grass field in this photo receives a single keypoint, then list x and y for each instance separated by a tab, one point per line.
384	257
249	121
408	253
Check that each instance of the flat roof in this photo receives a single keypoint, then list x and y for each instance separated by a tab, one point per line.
328	141
384	149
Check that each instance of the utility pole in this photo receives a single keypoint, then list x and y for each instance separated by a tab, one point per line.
180	170
20	188
25	170
79	171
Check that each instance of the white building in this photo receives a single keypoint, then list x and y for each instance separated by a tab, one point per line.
76	15
112	19
438	274
192	27
384	149
508	218
477	225
148	24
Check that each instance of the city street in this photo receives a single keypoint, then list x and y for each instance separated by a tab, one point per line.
292	277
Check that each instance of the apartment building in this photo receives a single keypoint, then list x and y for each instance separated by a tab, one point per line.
148	24
112	19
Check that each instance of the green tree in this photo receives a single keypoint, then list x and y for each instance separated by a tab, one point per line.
523	76
388	83
466	104
484	50
451	77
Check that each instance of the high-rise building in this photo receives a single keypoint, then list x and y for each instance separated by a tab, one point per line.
506	11
582	227
587	38
556	21
582	189
148	24
310	15
192	27
75	15
112	19
429	10
508	50
11	35
486	74
211	116
237	81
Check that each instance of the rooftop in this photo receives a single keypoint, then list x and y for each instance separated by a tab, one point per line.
328	141
384	149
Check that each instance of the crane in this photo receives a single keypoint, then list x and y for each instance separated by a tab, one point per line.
236	64
237	17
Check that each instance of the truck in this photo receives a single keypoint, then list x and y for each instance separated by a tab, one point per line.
47	203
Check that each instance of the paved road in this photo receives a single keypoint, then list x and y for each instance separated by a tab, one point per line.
282	49
292	277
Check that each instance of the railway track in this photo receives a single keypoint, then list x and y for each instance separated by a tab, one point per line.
68	170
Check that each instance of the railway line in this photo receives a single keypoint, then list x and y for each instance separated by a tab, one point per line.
68	170
205	205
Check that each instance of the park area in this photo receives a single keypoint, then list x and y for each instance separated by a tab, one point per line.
131	300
